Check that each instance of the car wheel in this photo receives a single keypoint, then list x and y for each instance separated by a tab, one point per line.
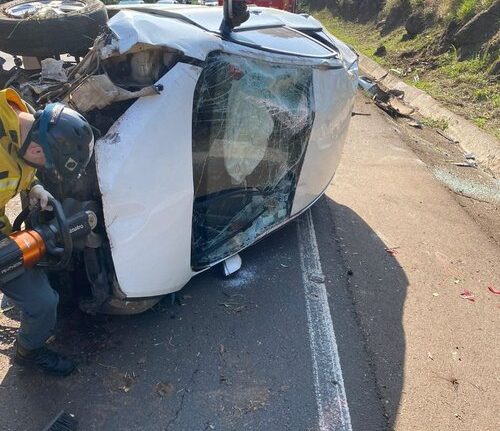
122	307
43	28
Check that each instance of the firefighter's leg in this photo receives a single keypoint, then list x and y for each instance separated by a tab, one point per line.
37	301
32	293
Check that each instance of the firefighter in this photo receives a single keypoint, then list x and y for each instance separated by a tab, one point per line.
56	139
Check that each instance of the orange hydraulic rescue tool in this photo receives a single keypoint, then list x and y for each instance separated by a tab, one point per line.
53	238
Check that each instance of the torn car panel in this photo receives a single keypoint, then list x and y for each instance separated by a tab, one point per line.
98	91
133	28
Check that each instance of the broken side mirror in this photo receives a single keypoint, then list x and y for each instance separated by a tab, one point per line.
235	13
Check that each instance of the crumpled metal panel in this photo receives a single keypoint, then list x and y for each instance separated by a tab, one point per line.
133	28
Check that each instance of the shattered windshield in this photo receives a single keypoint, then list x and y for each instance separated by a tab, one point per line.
251	125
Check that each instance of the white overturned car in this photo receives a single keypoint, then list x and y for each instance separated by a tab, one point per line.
212	137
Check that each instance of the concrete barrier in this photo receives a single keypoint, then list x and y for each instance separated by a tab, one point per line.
471	138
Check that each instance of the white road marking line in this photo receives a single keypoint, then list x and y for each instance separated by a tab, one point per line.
331	398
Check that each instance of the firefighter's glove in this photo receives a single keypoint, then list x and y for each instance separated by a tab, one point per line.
39	196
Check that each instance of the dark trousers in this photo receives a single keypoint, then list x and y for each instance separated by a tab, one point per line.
37	301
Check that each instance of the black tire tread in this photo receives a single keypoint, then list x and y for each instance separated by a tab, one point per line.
72	33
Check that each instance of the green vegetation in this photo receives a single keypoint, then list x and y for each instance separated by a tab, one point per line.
464	86
436	124
466	9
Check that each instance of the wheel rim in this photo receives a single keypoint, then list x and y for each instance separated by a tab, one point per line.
59	7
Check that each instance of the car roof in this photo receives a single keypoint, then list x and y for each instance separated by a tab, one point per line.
210	18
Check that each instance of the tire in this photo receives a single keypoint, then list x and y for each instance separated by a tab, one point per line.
120	307
72	33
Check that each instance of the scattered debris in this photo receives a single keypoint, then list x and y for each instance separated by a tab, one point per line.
452	380
435	294
392	251
397	71
429	355
128	381
396	108
53	70
224	379
467	294
234	307
397	93
416	124
470	156
164	389
468	164
444	135
493	290
367	85
390	101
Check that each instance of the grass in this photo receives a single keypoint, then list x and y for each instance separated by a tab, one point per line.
436	124
463	86
464	10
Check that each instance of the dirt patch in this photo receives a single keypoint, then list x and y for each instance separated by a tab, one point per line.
475	190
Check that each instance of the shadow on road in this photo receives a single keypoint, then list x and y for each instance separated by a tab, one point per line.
232	353
376	288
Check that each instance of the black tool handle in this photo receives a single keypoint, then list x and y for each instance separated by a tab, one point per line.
64	253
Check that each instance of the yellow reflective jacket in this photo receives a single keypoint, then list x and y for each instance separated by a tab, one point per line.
15	174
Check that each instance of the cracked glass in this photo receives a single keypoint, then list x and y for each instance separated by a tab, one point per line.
252	120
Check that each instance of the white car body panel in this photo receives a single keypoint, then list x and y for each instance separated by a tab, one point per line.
147	188
134	28
145	161
333	96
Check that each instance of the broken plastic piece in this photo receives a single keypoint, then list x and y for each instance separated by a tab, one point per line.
367	84
232	264
98	91
53	70
414	123
467	294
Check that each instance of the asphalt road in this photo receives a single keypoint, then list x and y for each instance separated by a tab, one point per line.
261	350
227	354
